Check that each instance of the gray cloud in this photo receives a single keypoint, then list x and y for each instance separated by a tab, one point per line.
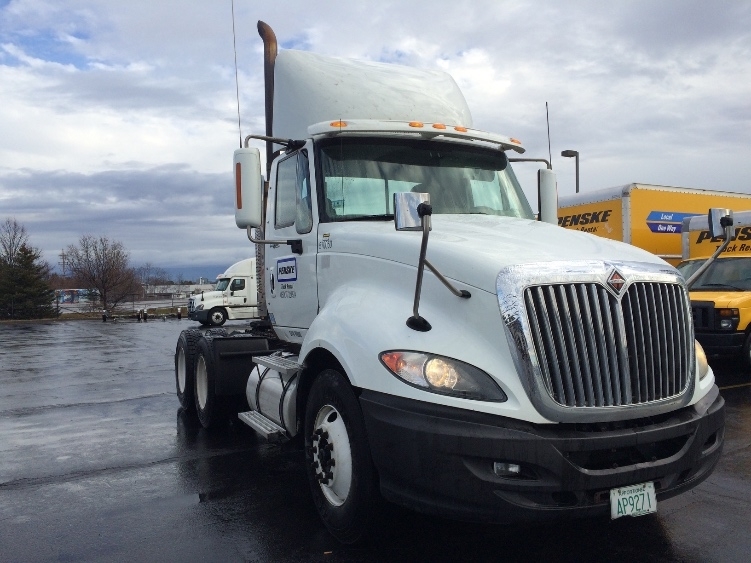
120	118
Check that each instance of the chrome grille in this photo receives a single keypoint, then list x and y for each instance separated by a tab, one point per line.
595	350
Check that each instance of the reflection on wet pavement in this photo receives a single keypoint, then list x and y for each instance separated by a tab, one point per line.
97	463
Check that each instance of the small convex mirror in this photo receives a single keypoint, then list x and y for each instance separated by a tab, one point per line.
406	217
715	217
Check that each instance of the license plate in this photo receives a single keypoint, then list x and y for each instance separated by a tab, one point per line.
633	500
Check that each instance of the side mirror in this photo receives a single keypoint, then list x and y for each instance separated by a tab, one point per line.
719	219
248	188
412	212
547	192
406	217
720	225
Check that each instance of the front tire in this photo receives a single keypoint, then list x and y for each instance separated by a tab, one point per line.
207	404
339	467
185	359
747	352
217	316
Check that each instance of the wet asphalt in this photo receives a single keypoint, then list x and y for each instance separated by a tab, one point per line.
97	463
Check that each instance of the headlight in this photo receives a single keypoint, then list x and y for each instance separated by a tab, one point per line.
701	360
199	307
442	375
728	318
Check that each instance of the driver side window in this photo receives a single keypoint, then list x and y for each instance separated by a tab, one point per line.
293	194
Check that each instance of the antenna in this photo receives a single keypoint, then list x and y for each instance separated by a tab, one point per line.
237	84
63	261
547	118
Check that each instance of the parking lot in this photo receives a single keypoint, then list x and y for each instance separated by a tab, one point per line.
97	463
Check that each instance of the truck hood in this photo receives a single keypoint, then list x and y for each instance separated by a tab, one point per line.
207	295
474	248
724	299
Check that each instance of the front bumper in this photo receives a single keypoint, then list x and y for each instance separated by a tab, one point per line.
200	316
721	343
439	460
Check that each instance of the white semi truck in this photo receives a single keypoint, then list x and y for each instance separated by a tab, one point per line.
425	337
233	298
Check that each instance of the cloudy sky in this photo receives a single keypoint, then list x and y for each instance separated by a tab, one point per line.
120	118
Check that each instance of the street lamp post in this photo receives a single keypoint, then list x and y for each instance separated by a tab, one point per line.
569	154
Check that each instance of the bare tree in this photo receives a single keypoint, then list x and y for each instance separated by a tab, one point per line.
149	274
103	266
13	236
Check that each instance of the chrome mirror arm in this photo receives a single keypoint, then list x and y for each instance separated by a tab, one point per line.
296	244
416	322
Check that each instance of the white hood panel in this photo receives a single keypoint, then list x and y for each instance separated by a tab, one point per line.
474	248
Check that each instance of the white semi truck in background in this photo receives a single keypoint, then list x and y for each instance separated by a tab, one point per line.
425	337
233	298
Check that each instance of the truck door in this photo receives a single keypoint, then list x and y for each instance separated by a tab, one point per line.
291	284
238	297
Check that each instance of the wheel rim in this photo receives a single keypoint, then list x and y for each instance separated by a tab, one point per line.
332	455
217	317
181	370
202	383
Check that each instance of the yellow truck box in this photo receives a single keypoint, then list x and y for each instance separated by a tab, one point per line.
645	215
721	296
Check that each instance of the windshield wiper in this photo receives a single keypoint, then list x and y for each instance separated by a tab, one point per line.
727	285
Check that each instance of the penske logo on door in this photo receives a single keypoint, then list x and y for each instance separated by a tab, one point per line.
286	270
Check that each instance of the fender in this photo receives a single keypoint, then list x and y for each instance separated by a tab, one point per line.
365	313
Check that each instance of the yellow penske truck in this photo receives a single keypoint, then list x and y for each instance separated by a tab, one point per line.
644	215
721	295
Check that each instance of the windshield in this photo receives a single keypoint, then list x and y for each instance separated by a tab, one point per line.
722	274
361	177
222	284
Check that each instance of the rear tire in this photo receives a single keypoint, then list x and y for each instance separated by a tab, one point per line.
207	404
217	316
185	359
340	470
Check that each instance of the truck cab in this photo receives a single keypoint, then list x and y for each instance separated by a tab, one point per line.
721	295
428	336
233	298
